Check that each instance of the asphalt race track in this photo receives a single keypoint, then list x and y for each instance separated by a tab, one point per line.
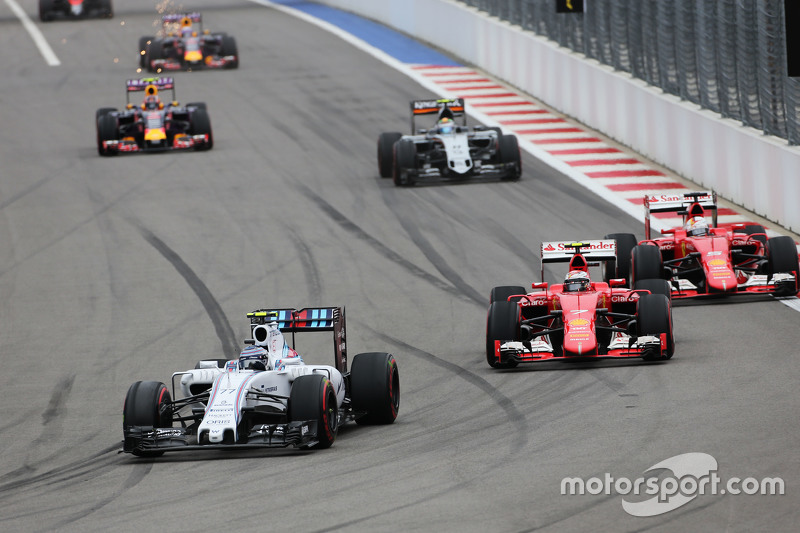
114	270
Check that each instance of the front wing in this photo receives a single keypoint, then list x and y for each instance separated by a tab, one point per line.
183	142
163	65
645	347
759	284
147	439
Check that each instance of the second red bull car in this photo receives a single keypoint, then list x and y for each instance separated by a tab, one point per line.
183	44
153	125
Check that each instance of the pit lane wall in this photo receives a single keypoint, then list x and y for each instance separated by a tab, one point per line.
760	173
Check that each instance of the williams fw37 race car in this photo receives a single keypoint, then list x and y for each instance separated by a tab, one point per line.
183	44
579	319
74	9
447	150
704	260
268	397
153	125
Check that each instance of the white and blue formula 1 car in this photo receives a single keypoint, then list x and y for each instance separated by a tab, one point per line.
447	150
266	398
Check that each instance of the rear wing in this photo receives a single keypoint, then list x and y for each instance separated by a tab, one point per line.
175	18
304	320
441	107
141	85
566	251
680	204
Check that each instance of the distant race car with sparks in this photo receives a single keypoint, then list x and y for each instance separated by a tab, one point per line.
74	9
153	125
705	260
267	397
447	150
183	44
578	319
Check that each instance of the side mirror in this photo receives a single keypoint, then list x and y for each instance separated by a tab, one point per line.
668	231
618	282
541	285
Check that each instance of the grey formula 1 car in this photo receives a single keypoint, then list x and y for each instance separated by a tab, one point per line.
447	150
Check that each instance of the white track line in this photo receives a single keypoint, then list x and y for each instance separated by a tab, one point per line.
36	34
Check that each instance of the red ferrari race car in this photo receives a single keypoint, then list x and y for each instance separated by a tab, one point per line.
153	126
578	319
705	260
183	44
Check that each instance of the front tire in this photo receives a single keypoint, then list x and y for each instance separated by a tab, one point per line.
375	387
106	131
386	142
405	163
782	258
654	317
146	404
201	125
501	293
229	48
509	155
312	398
502	323
655	286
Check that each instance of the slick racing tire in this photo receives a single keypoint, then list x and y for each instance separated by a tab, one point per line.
655	286
201	125
46	9
146	404
502	323
757	230
103	111
154	52
106	9
501	293
646	263
509	154
229	48
654	317
405	163
106	131
621	268
313	398
375	387
782	258
386	142
144	44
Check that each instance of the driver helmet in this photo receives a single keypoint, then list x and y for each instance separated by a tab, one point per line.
152	102
577	280
446	125
254	358
696	227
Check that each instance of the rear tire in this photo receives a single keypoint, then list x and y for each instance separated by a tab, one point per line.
312	398
501	293
646	263
386	152
146	404
654	317
502	323
201	125
509	155
621	268
45	10
405	163
375	387
153	52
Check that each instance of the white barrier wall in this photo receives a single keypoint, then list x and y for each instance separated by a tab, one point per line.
755	171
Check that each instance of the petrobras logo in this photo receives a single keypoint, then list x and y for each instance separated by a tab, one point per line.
717	262
578	322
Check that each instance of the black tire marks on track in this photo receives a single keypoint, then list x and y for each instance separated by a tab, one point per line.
221	324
